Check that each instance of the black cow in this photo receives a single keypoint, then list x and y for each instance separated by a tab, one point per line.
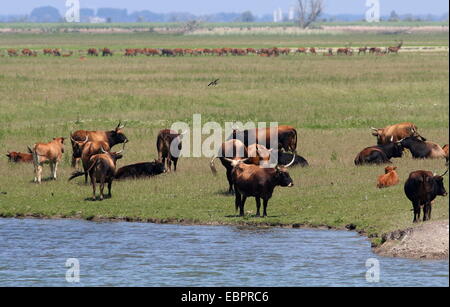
140	170
421	188
379	154
286	157
423	149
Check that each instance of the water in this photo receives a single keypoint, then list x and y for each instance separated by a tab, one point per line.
34	253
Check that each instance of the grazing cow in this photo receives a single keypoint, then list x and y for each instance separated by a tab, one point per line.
140	170
301	50
47	153
12	52
48	51
178	51
106	52
56	52
286	135
112	138
66	55
251	50
168	144
389	178
167	52
312	50
27	52
251	180
421	188
397	131
379	154
374	50
92	51
17	157
232	149
102	169
151	51
423	149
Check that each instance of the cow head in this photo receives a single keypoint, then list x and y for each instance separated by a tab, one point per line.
389	169
159	167
117	136
437	183
282	176
77	148
114	155
11	156
60	142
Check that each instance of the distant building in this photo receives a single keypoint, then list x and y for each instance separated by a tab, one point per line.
97	20
278	15
291	14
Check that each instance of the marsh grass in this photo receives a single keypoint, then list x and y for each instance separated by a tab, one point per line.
332	101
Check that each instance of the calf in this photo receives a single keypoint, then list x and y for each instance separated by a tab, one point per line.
101	169
17	157
423	149
232	149
140	170
47	153
168	144
251	180
389	178
379	154
421	188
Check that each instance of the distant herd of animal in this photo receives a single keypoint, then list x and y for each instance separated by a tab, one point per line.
252	169
267	52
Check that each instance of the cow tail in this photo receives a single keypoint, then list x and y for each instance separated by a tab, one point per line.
35	156
294	151
212	166
76	174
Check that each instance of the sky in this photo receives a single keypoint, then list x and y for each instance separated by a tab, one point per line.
259	7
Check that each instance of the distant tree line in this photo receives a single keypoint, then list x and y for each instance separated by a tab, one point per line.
51	14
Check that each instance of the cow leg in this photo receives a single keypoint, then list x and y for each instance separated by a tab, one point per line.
416	207
241	209
426	211
265	201
169	164
39	173
175	165
102	186
109	188
230	181
55	168
258	205
52	170
237	201
35	173
93	187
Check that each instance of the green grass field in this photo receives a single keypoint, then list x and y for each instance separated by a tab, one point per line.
333	102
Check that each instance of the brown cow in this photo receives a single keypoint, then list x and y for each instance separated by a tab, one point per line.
312	50
17	157
168	144
106	52
88	149
362	50
251	180
92	51
233	149
286	135
395	49
397	131
389	178
102	169
111	137
258	154
47	153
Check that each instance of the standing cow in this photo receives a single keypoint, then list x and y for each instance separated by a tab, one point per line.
395	133
47	153
168	144
231	149
254	181
421	188
111	137
285	135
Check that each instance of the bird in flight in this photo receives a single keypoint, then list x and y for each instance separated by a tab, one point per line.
213	82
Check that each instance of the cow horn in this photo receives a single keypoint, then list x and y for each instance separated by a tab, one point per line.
374	128
119	152
290	163
445	173
398	142
392	139
103	151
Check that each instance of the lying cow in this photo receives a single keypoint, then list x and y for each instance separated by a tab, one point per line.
101	169
379	154
140	170
285	157
168	144
111	137
254	181
423	149
18	157
395	133
47	153
231	149
421	188
389	178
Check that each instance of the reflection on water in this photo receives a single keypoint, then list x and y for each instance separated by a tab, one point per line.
34	253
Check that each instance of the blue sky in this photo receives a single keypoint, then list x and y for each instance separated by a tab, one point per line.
259	7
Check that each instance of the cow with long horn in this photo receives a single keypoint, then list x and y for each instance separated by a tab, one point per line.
101	169
112	137
251	180
395	133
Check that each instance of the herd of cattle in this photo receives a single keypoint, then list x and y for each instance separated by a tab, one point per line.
267	52
252	169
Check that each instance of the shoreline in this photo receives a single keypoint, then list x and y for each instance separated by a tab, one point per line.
396	244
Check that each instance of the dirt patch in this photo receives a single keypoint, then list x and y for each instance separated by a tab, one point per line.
426	241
